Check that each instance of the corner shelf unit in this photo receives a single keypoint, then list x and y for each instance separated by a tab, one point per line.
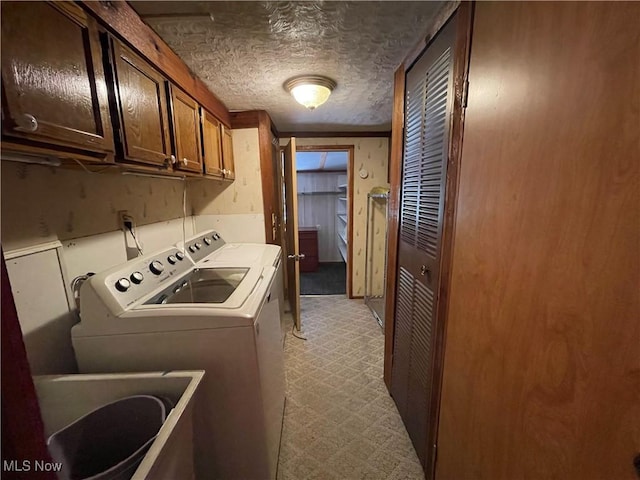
341	232
343	220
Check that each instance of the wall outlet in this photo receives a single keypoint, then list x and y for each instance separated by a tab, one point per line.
123	219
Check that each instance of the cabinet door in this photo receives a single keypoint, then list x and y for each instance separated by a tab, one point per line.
186	131
227	154
211	145
141	98
53	81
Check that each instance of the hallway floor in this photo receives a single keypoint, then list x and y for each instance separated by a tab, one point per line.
340	422
329	279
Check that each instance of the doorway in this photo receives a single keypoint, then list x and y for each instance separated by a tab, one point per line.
324	220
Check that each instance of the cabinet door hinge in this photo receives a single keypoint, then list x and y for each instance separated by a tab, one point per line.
465	92
434	457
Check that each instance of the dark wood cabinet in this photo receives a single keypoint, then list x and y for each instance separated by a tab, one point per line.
140	112
53	84
74	90
308	241
186	131
211	145
227	154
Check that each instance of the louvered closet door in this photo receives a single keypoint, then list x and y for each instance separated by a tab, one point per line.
428	105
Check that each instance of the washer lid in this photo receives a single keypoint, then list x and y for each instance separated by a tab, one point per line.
244	254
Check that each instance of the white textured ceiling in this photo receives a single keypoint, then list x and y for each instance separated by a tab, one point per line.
245	51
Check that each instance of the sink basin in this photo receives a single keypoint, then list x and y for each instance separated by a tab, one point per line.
64	399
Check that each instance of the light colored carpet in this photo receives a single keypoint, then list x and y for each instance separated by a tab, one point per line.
340	422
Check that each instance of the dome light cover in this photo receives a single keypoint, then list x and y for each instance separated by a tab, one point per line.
310	90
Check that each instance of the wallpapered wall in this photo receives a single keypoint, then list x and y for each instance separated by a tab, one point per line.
234	209
371	154
41	204
244	195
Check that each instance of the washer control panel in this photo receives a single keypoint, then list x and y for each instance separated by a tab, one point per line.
137	278
203	245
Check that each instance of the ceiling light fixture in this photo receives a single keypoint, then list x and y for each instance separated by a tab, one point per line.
310	90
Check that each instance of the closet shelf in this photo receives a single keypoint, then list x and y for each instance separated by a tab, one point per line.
342	237
343	251
343	217
344	199
342	187
320	193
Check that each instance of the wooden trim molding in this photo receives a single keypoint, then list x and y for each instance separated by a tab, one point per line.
124	22
268	176
350	177
305	134
317	148
248	119
395	181
462	52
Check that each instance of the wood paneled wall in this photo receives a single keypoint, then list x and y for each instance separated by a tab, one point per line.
542	359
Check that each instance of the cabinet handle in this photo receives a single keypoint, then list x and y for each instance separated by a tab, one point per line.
424	270
224	171
297	258
170	160
185	162
27	123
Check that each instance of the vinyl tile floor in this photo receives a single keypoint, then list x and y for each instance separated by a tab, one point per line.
339	421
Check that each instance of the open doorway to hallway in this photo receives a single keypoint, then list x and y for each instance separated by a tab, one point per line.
324	219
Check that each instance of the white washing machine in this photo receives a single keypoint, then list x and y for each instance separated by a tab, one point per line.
159	312
209	248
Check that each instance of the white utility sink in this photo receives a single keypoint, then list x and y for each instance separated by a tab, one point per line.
65	398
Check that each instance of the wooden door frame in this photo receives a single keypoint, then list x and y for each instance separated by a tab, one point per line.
463	15
351	150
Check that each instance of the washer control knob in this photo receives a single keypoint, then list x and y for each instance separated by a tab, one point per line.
171	259
163	299
123	285
198	245
192	248
216	236
207	240
179	256
156	267
136	277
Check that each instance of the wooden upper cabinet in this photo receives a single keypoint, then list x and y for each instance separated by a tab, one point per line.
211	145
186	131
53	80
140	114
227	154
